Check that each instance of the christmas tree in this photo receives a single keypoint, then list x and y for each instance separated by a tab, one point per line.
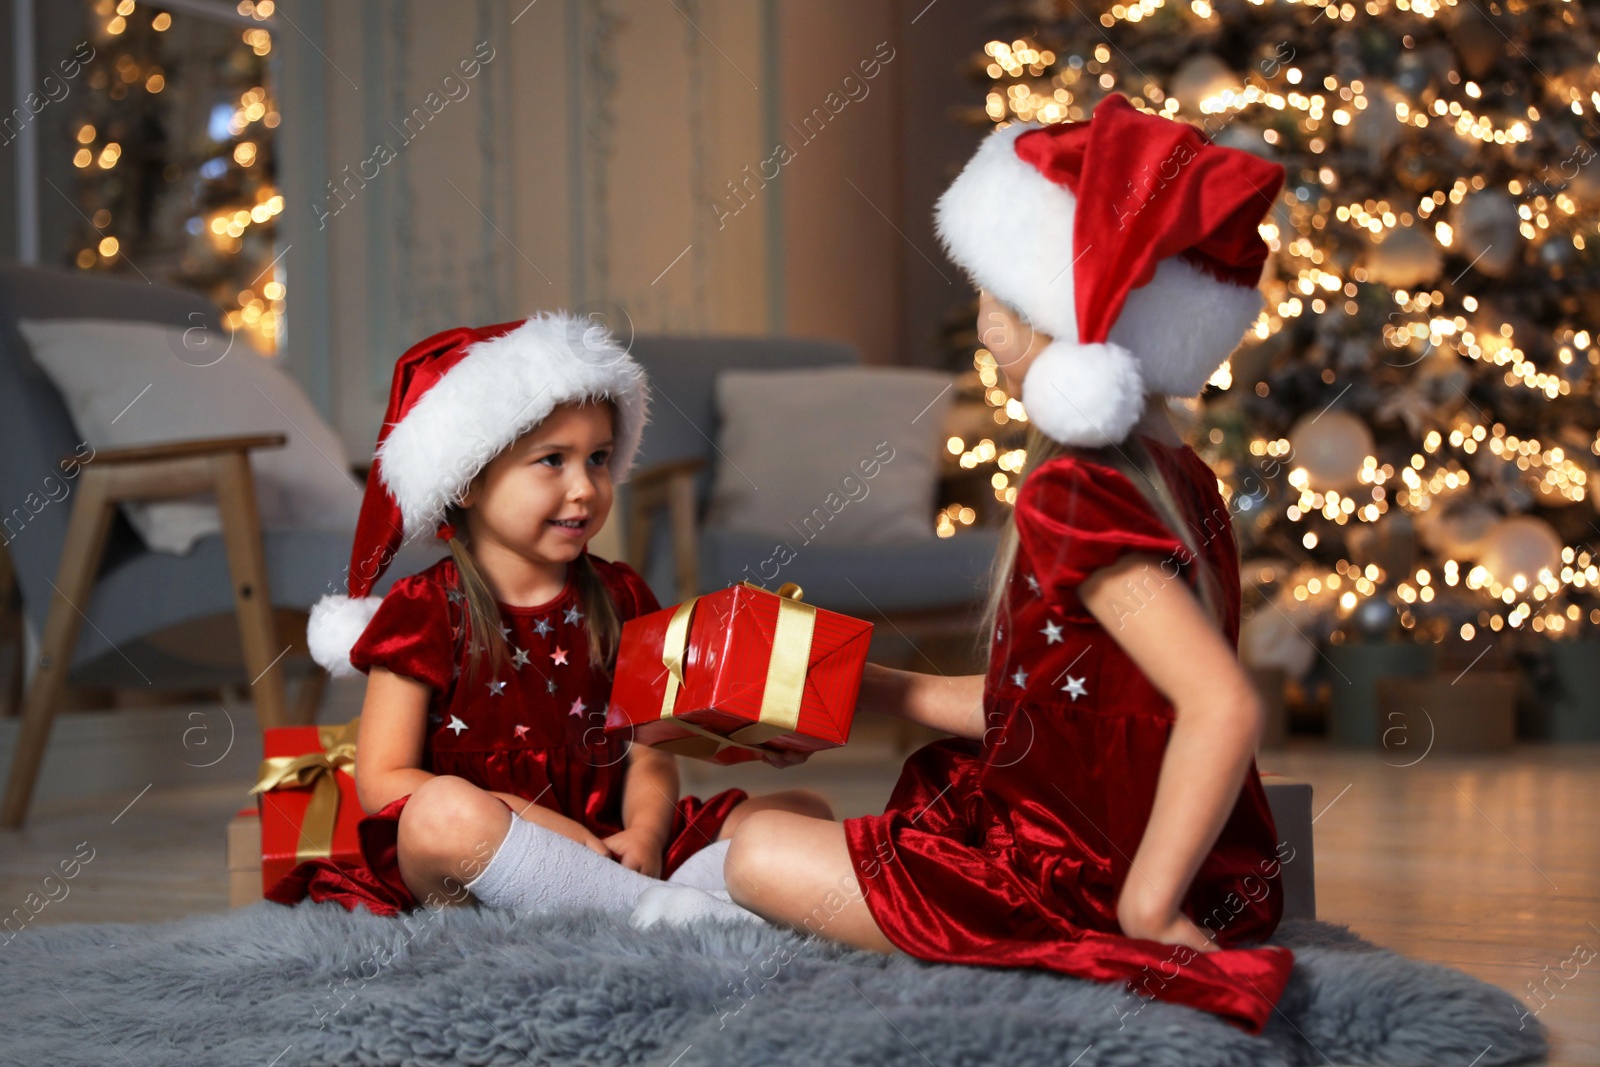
173	147
1406	438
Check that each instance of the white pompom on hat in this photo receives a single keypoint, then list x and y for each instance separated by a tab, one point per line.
457	400
1128	238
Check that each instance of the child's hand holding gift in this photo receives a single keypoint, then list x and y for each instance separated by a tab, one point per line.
740	674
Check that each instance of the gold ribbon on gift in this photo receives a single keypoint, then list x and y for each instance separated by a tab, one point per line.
319	770
780	697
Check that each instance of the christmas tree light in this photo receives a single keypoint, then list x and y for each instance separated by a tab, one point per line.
174	150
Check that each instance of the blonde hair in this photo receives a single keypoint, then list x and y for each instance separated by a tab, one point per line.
482	615
1133	460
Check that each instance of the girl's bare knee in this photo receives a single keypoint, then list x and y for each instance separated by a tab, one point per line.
788	802
449	829
753	855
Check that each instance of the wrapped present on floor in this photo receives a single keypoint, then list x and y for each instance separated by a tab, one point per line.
308	799
737	673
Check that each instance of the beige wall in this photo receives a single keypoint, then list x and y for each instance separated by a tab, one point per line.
841	197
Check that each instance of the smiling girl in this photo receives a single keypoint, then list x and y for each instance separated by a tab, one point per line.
482	759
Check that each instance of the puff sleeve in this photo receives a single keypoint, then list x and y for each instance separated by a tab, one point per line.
1075	516
411	634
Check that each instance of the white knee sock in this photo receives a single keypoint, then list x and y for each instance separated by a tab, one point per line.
678	905
538	870
703	870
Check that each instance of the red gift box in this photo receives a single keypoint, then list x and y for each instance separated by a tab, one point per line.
731	674
308	799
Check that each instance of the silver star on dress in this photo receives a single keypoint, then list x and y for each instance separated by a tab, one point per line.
1052	632
455	596
1033	583
496	688
1074	688
577	707
549	685
505	631
520	660
1020	678
572	616
457	725
542	627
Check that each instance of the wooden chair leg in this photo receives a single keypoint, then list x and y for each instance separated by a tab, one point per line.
638	524
685	540
80	562
669	486
252	600
11	700
309	698
11	626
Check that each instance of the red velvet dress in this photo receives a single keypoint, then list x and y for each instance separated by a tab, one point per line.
1012	850
535	731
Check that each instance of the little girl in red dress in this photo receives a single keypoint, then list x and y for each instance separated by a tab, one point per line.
482	757
1098	811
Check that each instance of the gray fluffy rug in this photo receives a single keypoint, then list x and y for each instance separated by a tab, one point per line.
270	986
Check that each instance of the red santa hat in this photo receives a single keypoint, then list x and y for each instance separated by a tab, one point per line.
1130	240
457	400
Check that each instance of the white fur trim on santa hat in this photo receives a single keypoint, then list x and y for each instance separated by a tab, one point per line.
1179	360
1010	228
501	388
336	624
1089	395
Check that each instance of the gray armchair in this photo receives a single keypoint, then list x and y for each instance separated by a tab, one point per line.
912	589
98	597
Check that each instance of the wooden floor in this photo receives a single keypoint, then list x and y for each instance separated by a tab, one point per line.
1489	865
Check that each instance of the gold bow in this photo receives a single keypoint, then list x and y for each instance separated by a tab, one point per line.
780	697
319	771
